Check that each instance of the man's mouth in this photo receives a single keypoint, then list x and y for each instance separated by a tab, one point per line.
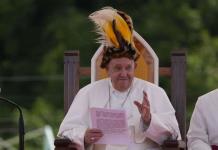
123	79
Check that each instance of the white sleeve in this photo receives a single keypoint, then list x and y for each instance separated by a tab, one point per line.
159	131
197	134
163	120
76	120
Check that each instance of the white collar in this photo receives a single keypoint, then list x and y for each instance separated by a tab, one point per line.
117	92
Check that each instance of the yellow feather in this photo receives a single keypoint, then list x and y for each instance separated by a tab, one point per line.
123	28
110	34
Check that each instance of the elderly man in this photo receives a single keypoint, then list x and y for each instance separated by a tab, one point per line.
150	115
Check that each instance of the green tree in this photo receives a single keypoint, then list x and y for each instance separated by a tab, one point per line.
35	33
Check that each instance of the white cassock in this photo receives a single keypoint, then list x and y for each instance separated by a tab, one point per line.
98	94
203	129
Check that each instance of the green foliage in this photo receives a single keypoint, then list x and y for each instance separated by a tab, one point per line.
35	33
43	113
202	66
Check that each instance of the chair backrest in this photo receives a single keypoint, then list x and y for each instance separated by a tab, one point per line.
147	64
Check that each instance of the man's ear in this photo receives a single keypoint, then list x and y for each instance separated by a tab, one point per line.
135	65
106	68
107	71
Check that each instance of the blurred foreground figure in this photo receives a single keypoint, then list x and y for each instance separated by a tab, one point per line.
203	130
150	115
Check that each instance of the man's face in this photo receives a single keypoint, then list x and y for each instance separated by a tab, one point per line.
121	72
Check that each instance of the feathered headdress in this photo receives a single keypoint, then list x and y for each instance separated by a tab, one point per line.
116	34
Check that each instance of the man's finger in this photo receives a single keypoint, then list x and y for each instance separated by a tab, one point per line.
93	130
145	99
139	106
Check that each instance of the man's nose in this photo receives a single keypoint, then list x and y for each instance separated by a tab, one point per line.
123	73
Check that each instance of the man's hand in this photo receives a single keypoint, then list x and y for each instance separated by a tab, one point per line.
144	109
92	136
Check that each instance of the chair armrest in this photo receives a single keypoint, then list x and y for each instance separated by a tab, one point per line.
173	145
67	144
64	144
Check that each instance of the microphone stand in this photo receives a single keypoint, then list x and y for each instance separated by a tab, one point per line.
21	122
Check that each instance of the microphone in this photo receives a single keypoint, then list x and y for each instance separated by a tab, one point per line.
21	122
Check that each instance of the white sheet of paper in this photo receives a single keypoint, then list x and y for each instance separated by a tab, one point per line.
113	124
